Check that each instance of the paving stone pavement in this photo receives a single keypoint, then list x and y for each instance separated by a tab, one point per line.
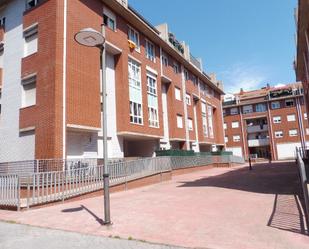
16	236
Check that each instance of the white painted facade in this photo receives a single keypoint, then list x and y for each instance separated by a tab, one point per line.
237	151
14	145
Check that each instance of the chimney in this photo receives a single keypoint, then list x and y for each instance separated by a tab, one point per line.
241	91
267	86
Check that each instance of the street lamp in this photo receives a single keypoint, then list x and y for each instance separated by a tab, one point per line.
91	38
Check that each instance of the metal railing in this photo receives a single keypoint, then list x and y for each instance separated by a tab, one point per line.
9	191
85	176
300	154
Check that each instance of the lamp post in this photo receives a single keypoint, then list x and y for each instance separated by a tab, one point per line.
91	38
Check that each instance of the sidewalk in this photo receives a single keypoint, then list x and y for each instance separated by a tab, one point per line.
15	236
215	208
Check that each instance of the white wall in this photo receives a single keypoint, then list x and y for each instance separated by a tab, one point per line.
237	151
165	143
114	143
287	150
13	145
82	144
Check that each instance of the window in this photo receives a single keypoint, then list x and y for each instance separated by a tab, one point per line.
210	119
190	124
177	93
278	134
236	138
224	126
204	119
235	124
134	74
2	22
164	59
31	40
224	112
1	54
136	113
151	84
109	19
31	3
179	121
260	107
188	99
307	131
226	139
247	109
29	91
135	92
175	67
234	111
289	102
186	74
194	79
291	117
150	51
305	115
275	105
293	133
153	118
134	37
277	119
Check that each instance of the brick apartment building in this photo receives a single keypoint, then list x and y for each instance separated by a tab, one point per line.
158	97
271	121
302	40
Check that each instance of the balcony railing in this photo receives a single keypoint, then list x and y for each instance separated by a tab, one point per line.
257	128
195	62
258	142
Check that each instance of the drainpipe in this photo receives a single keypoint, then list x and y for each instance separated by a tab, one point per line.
64	133
271	132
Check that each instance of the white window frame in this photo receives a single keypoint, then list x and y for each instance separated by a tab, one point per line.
277	119
150	47
226	139
108	18
224	126
261	107
235	124
152	91
136	40
190	124
307	131
292	133
136	113
236	138
210	120
29	87
186	72
177	93
275	105
278	134
135	74
164	59
179	121
188	99
204	119
305	116
291	117
232	111
247	109
31	41
175	67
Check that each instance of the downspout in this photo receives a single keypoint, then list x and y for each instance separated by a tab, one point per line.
271	132
64	72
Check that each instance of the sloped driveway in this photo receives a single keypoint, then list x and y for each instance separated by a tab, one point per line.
214	208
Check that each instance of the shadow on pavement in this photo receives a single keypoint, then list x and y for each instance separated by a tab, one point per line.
274	178
81	208
278	178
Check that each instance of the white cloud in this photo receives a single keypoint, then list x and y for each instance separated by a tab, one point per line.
248	77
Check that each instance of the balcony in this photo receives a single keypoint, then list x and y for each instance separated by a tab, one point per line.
258	142
196	62
257	128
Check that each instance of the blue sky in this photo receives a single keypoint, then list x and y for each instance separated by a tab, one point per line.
247	43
